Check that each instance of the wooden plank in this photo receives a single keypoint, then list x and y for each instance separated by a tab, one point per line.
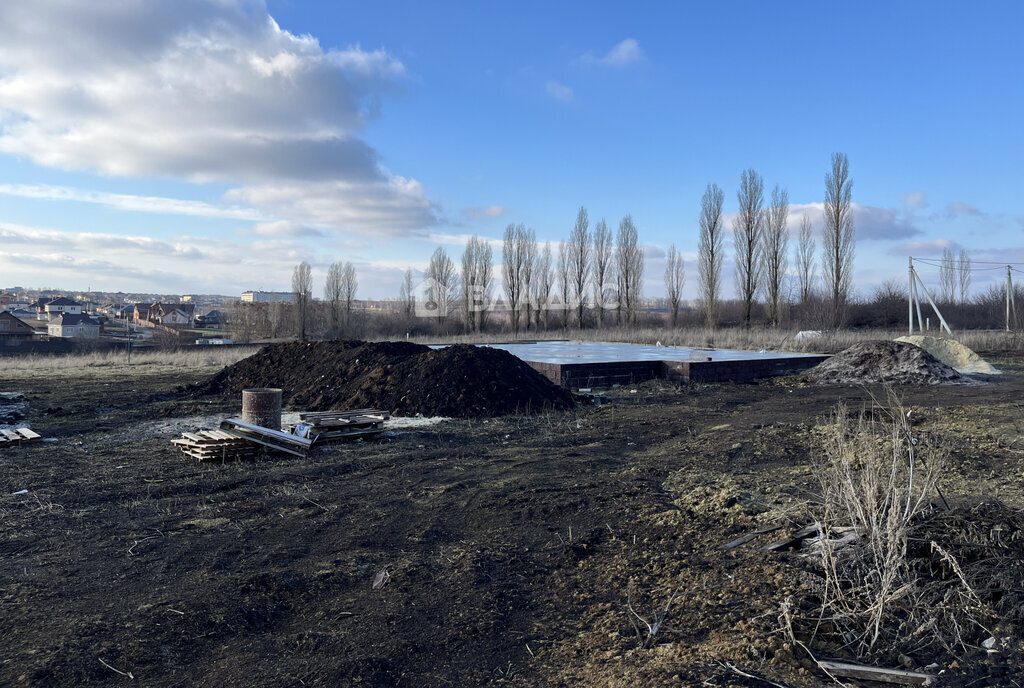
10	435
793	540
870	673
28	434
744	539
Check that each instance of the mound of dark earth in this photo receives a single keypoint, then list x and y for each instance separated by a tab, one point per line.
884	361
407	379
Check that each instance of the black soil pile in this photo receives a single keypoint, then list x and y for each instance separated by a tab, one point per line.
407	379
884	361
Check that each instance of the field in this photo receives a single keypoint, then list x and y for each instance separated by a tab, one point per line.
466	552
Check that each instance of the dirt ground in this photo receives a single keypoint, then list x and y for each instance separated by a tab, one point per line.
462	553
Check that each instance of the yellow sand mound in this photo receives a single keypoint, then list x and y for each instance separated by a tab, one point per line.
952	353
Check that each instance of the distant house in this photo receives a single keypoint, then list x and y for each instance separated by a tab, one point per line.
212	319
13	330
140	314
76	326
58	307
173	314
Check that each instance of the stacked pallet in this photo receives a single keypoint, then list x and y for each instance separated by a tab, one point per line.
327	426
267	437
9	438
214	445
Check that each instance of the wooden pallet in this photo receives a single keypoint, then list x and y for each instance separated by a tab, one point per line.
9	438
214	445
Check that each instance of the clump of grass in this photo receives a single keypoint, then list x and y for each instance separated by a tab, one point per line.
899	588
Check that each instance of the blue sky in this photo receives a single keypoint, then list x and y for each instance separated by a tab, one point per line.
208	146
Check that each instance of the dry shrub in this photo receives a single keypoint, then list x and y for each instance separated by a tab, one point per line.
899	587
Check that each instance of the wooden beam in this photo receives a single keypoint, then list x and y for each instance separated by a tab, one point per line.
870	673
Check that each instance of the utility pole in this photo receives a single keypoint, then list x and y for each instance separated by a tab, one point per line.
128	340
910	294
1009	298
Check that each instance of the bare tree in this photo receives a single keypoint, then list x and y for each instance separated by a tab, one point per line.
675	278
543	283
711	253
838	235
443	283
302	292
602	260
948	276
518	257
349	287
564	281
476	282
406	295
963	265
332	295
629	269
579	262
805	259
529	252
775	252
747	227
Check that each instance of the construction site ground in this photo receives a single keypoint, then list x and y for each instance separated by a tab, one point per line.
465	552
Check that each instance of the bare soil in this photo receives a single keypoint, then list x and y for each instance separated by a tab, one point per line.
470	552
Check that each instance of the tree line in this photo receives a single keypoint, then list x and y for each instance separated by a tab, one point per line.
594	277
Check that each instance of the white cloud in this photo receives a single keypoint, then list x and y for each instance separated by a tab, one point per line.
558	91
489	211
199	90
285	228
923	248
869	222
960	208
142	204
624	53
915	200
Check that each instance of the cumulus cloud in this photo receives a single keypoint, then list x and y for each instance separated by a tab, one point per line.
139	263
558	91
871	223
142	204
204	91
489	211
624	53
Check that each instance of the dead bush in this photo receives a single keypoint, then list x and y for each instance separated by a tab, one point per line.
894	588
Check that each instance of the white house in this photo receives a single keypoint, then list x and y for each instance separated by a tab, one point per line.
60	306
73	325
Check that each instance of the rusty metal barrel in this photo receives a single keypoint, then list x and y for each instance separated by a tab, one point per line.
262	406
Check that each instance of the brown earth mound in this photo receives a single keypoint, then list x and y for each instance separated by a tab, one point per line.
884	361
407	379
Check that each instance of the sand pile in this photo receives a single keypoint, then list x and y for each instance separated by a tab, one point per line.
952	353
404	378
884	361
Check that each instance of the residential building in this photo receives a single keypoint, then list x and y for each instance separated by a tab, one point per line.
13	330
60	306
267	297
78	326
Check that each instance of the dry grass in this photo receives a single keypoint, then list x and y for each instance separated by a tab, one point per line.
902	586
741	339
115	363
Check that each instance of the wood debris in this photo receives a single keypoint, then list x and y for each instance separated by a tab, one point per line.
326	426
870	673
9	438
214	445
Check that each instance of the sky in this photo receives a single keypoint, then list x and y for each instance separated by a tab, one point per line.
208	146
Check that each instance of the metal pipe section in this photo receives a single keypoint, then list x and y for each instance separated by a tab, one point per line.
262	406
